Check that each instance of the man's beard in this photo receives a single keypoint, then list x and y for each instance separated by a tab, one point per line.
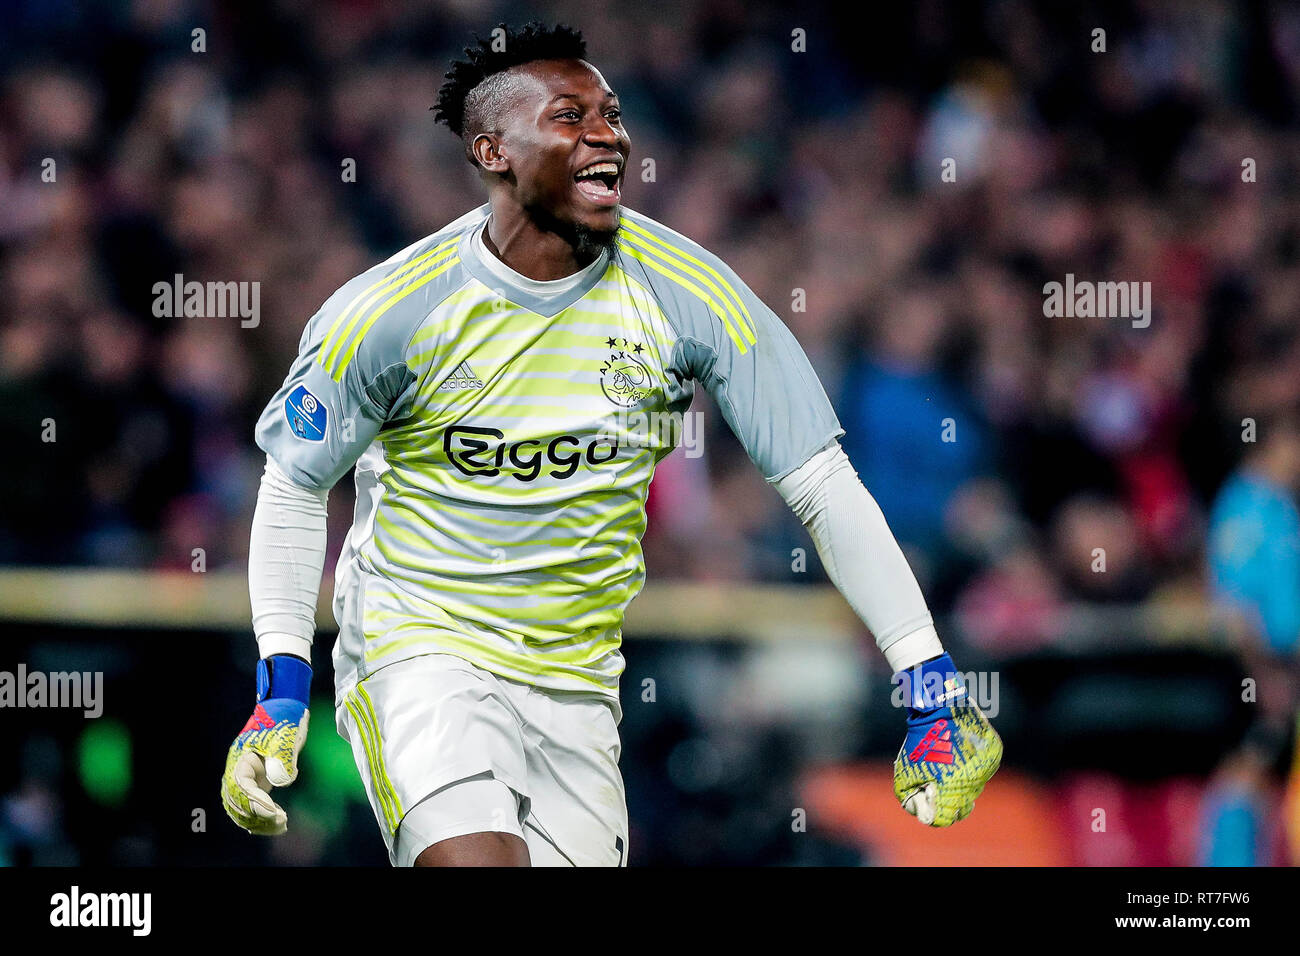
587	243
590	243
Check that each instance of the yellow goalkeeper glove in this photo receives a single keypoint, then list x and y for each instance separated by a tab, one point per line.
951	750
265	754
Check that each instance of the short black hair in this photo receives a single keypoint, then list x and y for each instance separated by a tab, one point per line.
463	105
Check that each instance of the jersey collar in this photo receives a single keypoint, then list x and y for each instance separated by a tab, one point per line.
548	305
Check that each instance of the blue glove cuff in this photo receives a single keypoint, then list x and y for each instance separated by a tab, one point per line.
931	685
283	676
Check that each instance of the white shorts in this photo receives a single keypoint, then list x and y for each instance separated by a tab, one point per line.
446	748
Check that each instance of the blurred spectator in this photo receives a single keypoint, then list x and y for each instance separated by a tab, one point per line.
1255	536
1013	606
910	432
1236	814
1098	552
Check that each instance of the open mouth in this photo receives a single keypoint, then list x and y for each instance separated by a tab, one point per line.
599	183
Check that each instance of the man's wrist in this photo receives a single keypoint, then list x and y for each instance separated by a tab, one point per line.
284	676
931	685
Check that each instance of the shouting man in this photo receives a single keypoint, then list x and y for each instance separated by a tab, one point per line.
483	382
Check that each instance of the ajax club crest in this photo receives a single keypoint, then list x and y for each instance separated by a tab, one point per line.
624	376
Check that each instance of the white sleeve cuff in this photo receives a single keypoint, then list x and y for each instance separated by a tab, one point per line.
272	643
912	649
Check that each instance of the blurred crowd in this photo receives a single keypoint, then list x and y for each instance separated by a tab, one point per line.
1026	462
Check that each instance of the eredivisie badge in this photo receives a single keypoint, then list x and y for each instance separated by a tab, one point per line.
306	414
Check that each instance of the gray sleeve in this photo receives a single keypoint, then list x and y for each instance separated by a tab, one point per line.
325	415
758	374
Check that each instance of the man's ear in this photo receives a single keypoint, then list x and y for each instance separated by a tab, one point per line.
487	153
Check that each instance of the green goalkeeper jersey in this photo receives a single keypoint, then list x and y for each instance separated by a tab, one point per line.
504	440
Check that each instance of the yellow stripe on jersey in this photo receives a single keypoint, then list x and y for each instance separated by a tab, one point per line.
641	231
393	799
489	656
362	709
634	237
340	332
456	311
426	276
631	249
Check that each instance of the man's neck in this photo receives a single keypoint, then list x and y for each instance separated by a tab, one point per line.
529	249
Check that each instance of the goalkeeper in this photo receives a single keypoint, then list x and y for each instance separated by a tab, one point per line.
484	384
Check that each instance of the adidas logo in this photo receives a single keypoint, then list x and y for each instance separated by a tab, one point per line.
936	746
463	377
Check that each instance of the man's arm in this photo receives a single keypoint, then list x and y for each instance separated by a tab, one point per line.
861	556
286	557
348	379
950	750
767	391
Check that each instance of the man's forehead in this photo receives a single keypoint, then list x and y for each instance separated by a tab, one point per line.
545	80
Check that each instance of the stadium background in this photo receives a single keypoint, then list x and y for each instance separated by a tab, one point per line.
770	732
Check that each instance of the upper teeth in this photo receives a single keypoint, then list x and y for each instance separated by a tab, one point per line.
599	169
